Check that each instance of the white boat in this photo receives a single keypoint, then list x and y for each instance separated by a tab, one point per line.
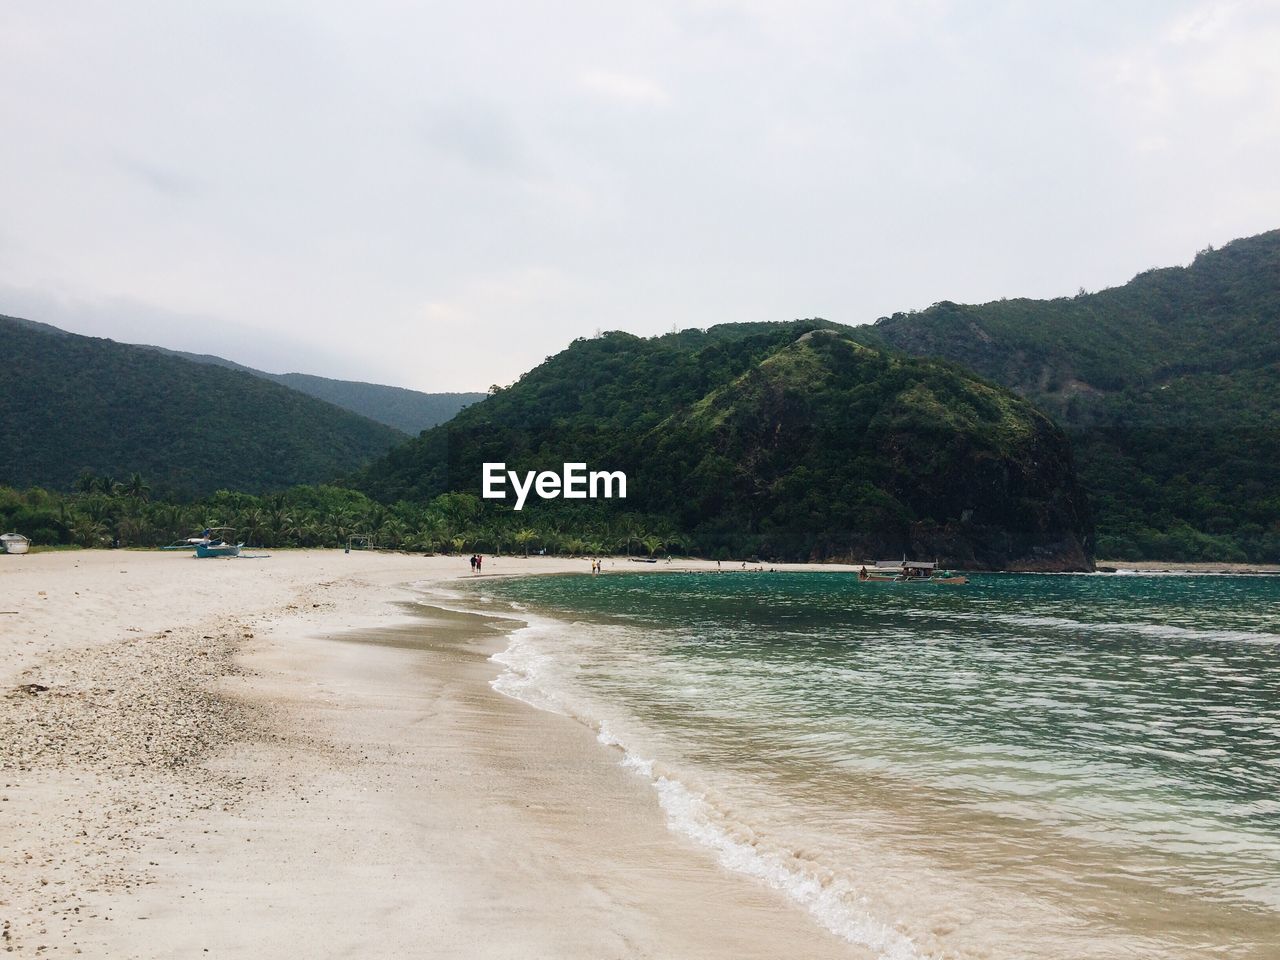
15	543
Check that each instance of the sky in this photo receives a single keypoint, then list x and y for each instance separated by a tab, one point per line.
438	196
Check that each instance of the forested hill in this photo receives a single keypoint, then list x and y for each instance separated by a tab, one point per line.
410	411
1169	387
789	440
70	403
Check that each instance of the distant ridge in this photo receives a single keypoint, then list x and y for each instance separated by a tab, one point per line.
409	411
70	403
1169	387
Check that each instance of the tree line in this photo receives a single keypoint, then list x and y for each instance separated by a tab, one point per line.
104	511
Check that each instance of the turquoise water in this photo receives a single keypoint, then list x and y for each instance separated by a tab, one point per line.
1025	766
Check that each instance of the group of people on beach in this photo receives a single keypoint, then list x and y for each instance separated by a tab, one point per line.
476	561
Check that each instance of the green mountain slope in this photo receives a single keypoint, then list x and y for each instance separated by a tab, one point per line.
1168	386
787	439
409	411
70	403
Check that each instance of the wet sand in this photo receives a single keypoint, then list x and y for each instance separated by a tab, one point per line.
220	766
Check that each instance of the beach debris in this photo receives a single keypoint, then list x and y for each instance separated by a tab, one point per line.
32	688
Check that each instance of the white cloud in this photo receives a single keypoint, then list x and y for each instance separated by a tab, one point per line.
439	195
623	87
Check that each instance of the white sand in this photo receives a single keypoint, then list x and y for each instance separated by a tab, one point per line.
212	773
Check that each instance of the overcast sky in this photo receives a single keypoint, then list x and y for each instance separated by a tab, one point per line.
440	195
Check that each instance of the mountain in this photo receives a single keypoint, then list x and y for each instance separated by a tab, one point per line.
409	411
1169	387
70	403
788	440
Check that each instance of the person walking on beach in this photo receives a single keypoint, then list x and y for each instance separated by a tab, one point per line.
473	564
479	562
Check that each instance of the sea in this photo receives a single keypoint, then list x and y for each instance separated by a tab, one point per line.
1065	766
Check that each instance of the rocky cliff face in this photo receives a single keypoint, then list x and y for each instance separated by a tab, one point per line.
830	450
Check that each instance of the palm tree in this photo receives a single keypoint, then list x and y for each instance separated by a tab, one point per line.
131	529
88	532
86	482
136	488
390	533
431	531
171	519
630	533
337	525
279	525
307	531
524	537
97	508
496	534
552	538
254	524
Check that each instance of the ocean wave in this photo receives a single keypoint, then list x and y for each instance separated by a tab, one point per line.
827	899
1155	631
536	677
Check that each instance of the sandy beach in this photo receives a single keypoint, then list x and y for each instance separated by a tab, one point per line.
293	757
1173	566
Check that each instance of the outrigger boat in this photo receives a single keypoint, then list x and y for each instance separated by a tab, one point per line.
908	571
216	543
213	542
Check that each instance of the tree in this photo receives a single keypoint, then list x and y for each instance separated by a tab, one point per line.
88	532
136	488
524	537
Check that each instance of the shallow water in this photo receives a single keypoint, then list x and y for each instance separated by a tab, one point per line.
1028	766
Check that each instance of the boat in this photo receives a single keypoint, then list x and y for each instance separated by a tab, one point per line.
15	543
908	571
215	542
219	549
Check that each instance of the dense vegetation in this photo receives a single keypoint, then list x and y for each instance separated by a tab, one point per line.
784	440
754	438
69	403
409	411
1168	386
104	511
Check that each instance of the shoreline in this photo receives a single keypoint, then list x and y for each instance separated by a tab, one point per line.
1157	566
221	767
